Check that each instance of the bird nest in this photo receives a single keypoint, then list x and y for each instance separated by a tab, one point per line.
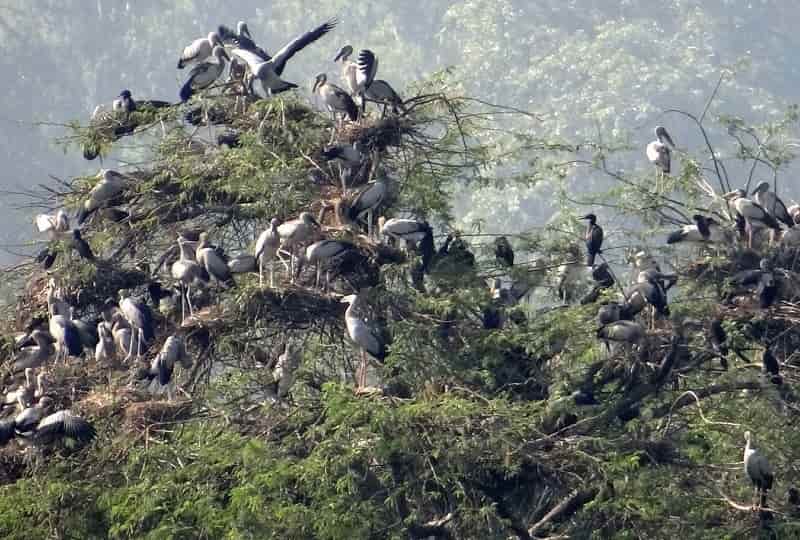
377	134
293	306
145	415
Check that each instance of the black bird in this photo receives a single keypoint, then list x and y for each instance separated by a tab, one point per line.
81	246
46	258
771	366
719	342
594	239
126	103
603	279
229	138
763	279
503	252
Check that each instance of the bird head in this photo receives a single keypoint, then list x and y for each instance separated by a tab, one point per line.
45	402
349	299
125	94
344	53
662	135
591	217
761	187
319	81
242	30
274	222
747	436
214	38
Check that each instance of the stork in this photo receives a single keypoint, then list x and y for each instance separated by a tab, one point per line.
140	318
751	212
36	355
199	49
187	272
658	151
204	75
285	368
215	266
323	253
173	351
269	71
110	186
294	233
335	99
266	249
368	200
53	224
770	202
367	340
22	395
411	232
759	470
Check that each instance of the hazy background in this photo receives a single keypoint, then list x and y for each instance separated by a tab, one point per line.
621	62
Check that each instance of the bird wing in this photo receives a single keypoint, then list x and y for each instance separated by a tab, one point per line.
250	58
197	50
362	335
367	68
45	222
64	424
6	431
297	44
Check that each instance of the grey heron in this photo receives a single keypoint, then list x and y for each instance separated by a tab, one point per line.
758	470
751	212
110	185
204	75
187	272
368	200
266	250
335	99
269	71
199	49
658	151
367	340
593	237
323	252
293	234
215	266
770	202
140	318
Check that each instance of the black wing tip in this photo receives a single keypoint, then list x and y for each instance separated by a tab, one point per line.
330	24
186	91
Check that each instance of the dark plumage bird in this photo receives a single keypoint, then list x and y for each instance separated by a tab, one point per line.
503	252
125	103
658	151
719	341
603	279
763	279
771	366
770	202
81	246
229	138
241	39
335	99
46	258
759	470
594	239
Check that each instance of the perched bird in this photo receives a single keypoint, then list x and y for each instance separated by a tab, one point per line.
658	151
105	350
294	234
285	368
241	39
349	70
719	342
704	229
173	351
140	318
323	253
335	99
32	424
209	259
124	103
503	252
771	365
46	257
266	250
763	279
603	279
269	71
593	237
365	203
622	331
104	192
187	272
751	212
770	202
199	49
35	355
366	338
382	93
611	313
87	332
66	335
204	75
759	470
417	234
81	246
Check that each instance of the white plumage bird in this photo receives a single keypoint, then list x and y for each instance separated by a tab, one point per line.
266	249
187	272
658	151
199	49
204	75
754	214
53	224
208	258
110	185
293	234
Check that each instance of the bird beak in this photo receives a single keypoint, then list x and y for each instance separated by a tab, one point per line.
585	217
316	84
339	56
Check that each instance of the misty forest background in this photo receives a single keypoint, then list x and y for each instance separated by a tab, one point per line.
485	441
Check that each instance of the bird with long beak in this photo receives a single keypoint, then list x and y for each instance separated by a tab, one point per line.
772	204
751	212
594	238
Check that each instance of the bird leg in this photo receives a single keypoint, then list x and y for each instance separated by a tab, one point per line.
361	376
189	300
316	281
261	271
272	274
